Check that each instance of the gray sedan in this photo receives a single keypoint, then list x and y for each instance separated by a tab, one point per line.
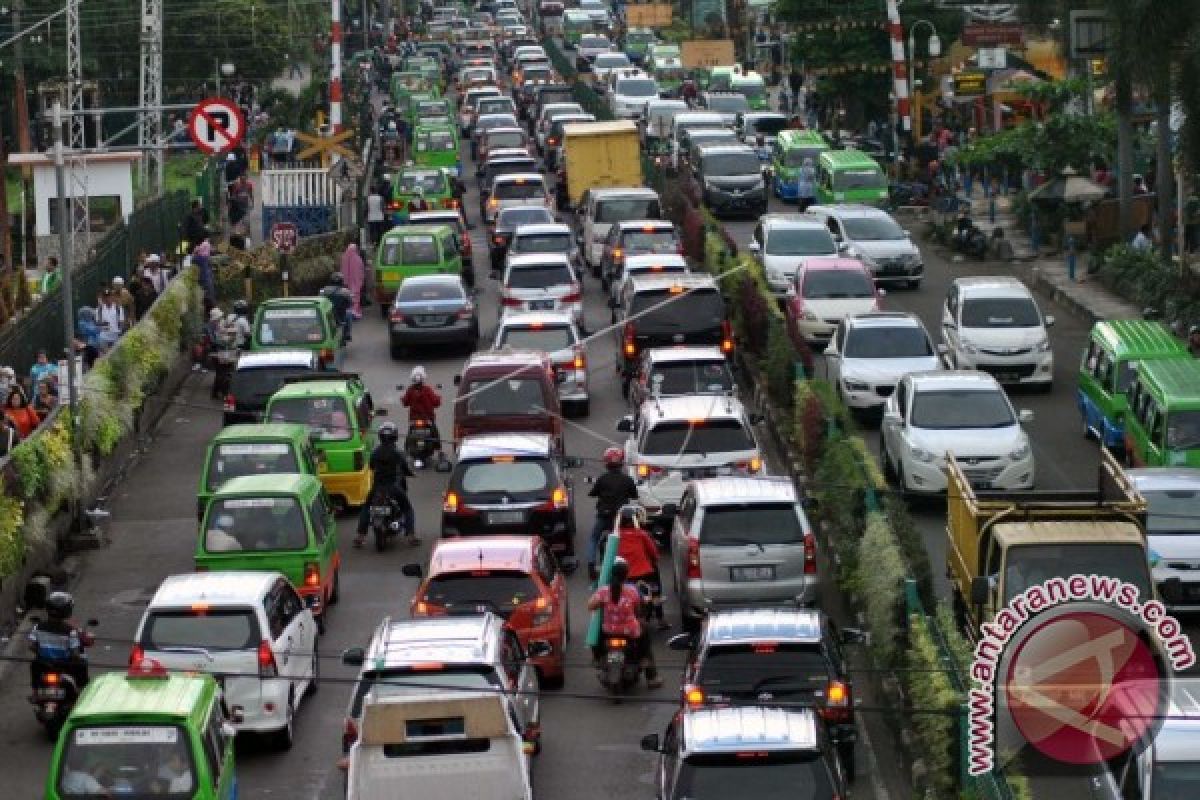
432	309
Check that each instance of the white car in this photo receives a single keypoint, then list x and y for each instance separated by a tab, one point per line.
600	208
547	116
542	282
251	629
993	324
549	237
687	120
630	93
964	412
606	63
826	291
870	353
782	243
1172	533
592	45
874	238
645	264
556	334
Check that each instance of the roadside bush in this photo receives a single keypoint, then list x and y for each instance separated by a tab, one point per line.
932	694
911	545
308	267
779	368
881	576
838	486
1142	278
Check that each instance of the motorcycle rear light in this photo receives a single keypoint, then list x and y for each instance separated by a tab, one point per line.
51	679
810	554
312	575
838	706
616	643
630	344
326	356
498	240
230	403
693	559
349	734
450	503
137	654
266	660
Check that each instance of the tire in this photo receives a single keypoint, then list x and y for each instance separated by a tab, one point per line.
380	539
335	593
285	737
557	682
314	685
395	351
846	756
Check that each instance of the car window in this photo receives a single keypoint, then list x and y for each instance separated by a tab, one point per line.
496	590
254	524
211	629
414	292
703	437
519	190
951	409
505	396
1000	312
151	760
736	524
899	342
823	284
290	326
319	513
539	276
800	242
503	476
547	339
327	416
236	459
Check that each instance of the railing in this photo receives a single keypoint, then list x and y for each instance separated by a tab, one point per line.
299	187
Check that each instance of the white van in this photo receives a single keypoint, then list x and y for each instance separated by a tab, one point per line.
442	745
602	207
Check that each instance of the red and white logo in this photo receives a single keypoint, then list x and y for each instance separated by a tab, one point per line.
216	125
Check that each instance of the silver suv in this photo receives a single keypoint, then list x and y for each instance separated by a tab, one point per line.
741	542
873	237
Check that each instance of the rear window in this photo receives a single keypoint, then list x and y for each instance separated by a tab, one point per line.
504	475
401	682
435	142
218	629
619	209
658	241
505	396
505	139
127	761
542	243
546	339
482	590
836	284
510	218
327	416
411	250
236	459
751	523
563	95
692	377
761	774
519	190
496	105
291	326
413	292
409	182
255	386
538	276
258	523
701	438
765	666
684	312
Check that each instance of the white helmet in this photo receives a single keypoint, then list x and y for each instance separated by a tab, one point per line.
418	375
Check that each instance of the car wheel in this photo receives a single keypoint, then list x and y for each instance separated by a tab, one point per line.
396	351
314	684
914	284
846	756
335	593
1087	429
285	737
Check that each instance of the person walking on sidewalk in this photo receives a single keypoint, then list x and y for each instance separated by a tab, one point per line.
354	272
1142	241
806	185
375	215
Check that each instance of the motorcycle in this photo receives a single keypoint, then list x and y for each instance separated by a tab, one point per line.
421	442
59	669
971	241
387	521
621	666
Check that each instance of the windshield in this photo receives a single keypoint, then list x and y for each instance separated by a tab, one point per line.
731	164
127	761
905	342
873	229
751	523
1029	565
435	141
653	242
701	438
692	377
619	209
821	284
1175	780
728	103
541	243
594	40
493	589
290	326
859	179
257	523
253	387
1183	430
611	61
953	409
768	126
505	396
538	276
514	190
236	459
1000	312
326	415
505	139
409	182
426	291
549	340
664	312
400	682
800	242
796	156
762	775
509	218
637	88
1172	510
213	630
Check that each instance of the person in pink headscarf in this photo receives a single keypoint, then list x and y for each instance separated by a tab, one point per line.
355	272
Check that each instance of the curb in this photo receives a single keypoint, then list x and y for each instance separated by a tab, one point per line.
1049	287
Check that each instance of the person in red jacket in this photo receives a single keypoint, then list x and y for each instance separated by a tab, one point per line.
422	402
641	553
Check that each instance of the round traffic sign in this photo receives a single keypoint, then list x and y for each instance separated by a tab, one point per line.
216	125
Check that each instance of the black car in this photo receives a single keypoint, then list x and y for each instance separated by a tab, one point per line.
432	309
545	94
512	483
761	656
507	220
668	311
257	376
729	179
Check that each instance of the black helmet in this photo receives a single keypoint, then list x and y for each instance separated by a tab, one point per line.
241	307
337	279
620	570
389	433
59	605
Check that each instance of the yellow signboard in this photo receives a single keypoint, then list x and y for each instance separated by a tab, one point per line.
658	15
707	53
970	83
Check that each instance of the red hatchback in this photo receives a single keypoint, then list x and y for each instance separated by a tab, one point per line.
516	577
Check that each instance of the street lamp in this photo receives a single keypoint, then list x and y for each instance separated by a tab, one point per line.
935	47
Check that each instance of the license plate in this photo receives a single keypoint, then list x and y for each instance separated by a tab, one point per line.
505	517
380	509
979	484
541	305
420	433
430	320
1006	377
751	574
51	694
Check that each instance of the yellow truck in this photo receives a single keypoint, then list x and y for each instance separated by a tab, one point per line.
599	155
1000	544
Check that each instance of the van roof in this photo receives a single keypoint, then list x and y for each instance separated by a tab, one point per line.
1137	338
468	639
482	552
486	445
1067	531
712	491
1177	378
732	730
315	388
690	407
506	360
173	698
273	484
404	231
609	126
662	355
294	302
277	358
849	158
262	430
235	588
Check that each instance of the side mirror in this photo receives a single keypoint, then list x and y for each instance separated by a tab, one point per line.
353	657
891	414
237	715
650	743
412	571
853	636
1172	591
625	425
754	247
1025	415
755	419
228	731
1050	321
681	642
670	509
810	503
980	589
457	380
943	350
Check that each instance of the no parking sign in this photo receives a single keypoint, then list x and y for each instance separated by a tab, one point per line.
216	125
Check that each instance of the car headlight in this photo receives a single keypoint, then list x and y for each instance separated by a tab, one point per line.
811	317
922	455
856	386
912	260
969	347
1044	345
775	276
1019	452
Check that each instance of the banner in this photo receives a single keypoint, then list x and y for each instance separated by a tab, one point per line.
650	16
707	53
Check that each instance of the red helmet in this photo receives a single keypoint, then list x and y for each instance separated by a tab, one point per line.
614	457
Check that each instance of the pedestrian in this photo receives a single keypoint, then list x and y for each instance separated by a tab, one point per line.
153	272
806	185
20	412
354	272
195	224
143	295
8	379
375	215
112	319
88	331
41	368
51	277
1142	242
124	299
202	256
241	199
233	169
795	83
46	398
1194	341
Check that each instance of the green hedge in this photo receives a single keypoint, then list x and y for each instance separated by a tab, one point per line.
308	267
882	605
1142	278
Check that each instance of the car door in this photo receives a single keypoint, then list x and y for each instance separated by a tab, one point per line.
894	418
833	354
522	680
668	763
294	636
950	332
684	520
325	534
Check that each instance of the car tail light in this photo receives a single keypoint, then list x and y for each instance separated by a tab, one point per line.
810	554
497	240
449	202
647	470
349	733
312	575
543	611
617	254
511	302
137	654
838	707
693	696
629	348
559	498
326	356
450	503
466	311
573	296
493	202
230	403
393	206
750	467
395	315
679	248
422	608
580	360
266	660
726	337
693	558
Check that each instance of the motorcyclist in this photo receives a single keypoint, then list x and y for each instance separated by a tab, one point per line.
612	490
641	553
391	141
963	227
58	643
621	603
342	300
422	402
389	469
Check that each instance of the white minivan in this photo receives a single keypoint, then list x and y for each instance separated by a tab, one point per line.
600	208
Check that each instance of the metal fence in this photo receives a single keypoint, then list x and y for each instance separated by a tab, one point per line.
153	228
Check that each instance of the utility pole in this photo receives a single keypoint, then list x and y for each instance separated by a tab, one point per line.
24	145
77	207
150	128
335	70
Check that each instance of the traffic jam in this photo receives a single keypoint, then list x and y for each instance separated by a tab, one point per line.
582	507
